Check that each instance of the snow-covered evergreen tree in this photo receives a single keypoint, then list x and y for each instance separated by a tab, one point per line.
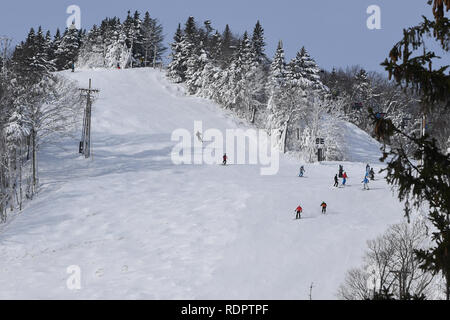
191	31
195	64
129	30
137	47
30	59
237	81
362	89
176	69
362	95
39	59
118	53
212	79
304	71
185	48
67	51
152	40
55	45
276	86
215	47
92	51
244	69
49	51
228	46
258	44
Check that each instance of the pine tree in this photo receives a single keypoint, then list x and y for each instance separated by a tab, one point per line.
55	45
362	93
333	84
30	59
49	50
304	70
67	51
276	84
138	50
177	69
215	47
190	31
152	40
362	89
92	50
208	29
278	73
242	72
288	104
114	42
210	82
195	65
239	77
41	58
147	31
258	44
129	30
184	50
227	46
118	52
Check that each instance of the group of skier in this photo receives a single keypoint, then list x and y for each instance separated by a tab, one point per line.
299	210
343	175
369	176
344	180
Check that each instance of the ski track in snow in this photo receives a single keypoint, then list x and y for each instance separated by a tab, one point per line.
140	227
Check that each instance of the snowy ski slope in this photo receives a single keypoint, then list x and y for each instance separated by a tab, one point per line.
140	227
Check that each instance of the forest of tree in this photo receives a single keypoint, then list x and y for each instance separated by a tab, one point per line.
286	98
296	99
299	102
37	105
134	43
137	42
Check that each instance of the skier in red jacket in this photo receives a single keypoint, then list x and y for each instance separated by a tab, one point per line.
345	176
324	207
225	158
299	211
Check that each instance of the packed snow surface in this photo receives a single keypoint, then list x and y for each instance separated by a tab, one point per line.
140	227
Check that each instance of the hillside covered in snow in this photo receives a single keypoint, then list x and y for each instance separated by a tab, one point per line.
140	227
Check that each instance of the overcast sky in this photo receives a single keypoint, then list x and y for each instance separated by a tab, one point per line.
333	31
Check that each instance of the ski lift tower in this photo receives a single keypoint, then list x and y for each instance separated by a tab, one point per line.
320	142
85	143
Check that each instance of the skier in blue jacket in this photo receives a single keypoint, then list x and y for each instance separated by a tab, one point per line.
302	171
366	182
